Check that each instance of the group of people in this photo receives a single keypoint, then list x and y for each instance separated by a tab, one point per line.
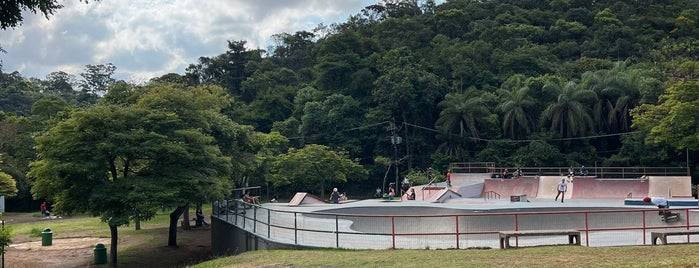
336	196
514	175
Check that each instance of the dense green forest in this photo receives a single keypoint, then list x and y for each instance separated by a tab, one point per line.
400	86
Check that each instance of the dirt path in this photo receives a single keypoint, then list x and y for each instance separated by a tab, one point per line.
76	249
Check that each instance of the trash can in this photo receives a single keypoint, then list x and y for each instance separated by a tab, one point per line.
100	254
46	237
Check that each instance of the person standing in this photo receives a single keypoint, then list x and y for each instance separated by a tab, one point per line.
335	196
448	178
43	209
562	188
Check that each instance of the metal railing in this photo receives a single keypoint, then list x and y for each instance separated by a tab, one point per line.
599	172
604	227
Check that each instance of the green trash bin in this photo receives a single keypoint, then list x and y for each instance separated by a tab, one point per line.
100	254
46	237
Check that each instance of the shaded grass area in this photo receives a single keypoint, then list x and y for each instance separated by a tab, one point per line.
545	256
137	248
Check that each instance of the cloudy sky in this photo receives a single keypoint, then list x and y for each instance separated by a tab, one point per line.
148	38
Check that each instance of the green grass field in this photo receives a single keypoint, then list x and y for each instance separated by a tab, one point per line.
548	256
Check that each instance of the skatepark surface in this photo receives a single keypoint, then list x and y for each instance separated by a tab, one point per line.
609	212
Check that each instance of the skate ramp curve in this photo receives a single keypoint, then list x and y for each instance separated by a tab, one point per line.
509	187
592	188
548	186
670	186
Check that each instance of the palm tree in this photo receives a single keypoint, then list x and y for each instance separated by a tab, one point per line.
618	90
461	112
515	101
569	114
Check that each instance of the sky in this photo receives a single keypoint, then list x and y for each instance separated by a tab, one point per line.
149	38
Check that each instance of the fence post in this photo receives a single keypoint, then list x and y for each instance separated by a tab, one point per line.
457	231
393	231
337	232
296	229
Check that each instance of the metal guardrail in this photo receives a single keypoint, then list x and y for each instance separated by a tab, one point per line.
604	227
599	172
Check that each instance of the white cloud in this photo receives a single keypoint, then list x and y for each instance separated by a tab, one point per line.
148	38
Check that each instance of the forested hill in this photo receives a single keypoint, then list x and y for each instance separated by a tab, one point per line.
516	82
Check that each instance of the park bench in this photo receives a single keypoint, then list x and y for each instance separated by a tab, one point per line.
663	234
573	235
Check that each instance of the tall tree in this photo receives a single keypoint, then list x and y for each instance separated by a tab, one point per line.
127	161
570	114
463	113
315	165
673	120
517	120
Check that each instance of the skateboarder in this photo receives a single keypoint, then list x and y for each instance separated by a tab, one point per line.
562	188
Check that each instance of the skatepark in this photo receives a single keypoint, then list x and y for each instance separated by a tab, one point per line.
469	214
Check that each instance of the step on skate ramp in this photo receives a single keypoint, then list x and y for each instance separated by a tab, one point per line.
508	187
592	188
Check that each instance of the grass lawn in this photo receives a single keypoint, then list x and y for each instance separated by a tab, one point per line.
545	256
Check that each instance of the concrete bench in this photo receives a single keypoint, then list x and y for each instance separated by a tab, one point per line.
573	235
663	234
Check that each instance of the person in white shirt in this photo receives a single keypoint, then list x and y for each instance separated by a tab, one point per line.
562	189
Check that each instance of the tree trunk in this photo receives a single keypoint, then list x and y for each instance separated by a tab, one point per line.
185	218
115	241
172	233
137	223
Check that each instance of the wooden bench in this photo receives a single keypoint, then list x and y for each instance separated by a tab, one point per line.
663	234
573	235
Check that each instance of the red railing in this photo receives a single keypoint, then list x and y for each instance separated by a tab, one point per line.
602	227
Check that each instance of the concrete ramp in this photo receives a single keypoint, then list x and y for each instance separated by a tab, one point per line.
428	192
508	187
469	191
446	195
548	186
302	198
670	186
591	188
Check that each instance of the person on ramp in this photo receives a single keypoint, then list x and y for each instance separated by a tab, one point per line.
562	189
662	204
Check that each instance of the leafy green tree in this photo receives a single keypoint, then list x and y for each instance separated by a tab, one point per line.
97	78
5	238
315	165
8	186
673	120
325	122
538	154
11	11
121	162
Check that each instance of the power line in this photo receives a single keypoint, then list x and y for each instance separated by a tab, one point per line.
471	138
527	140
340	131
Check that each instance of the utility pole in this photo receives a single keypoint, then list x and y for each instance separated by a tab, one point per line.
395	140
